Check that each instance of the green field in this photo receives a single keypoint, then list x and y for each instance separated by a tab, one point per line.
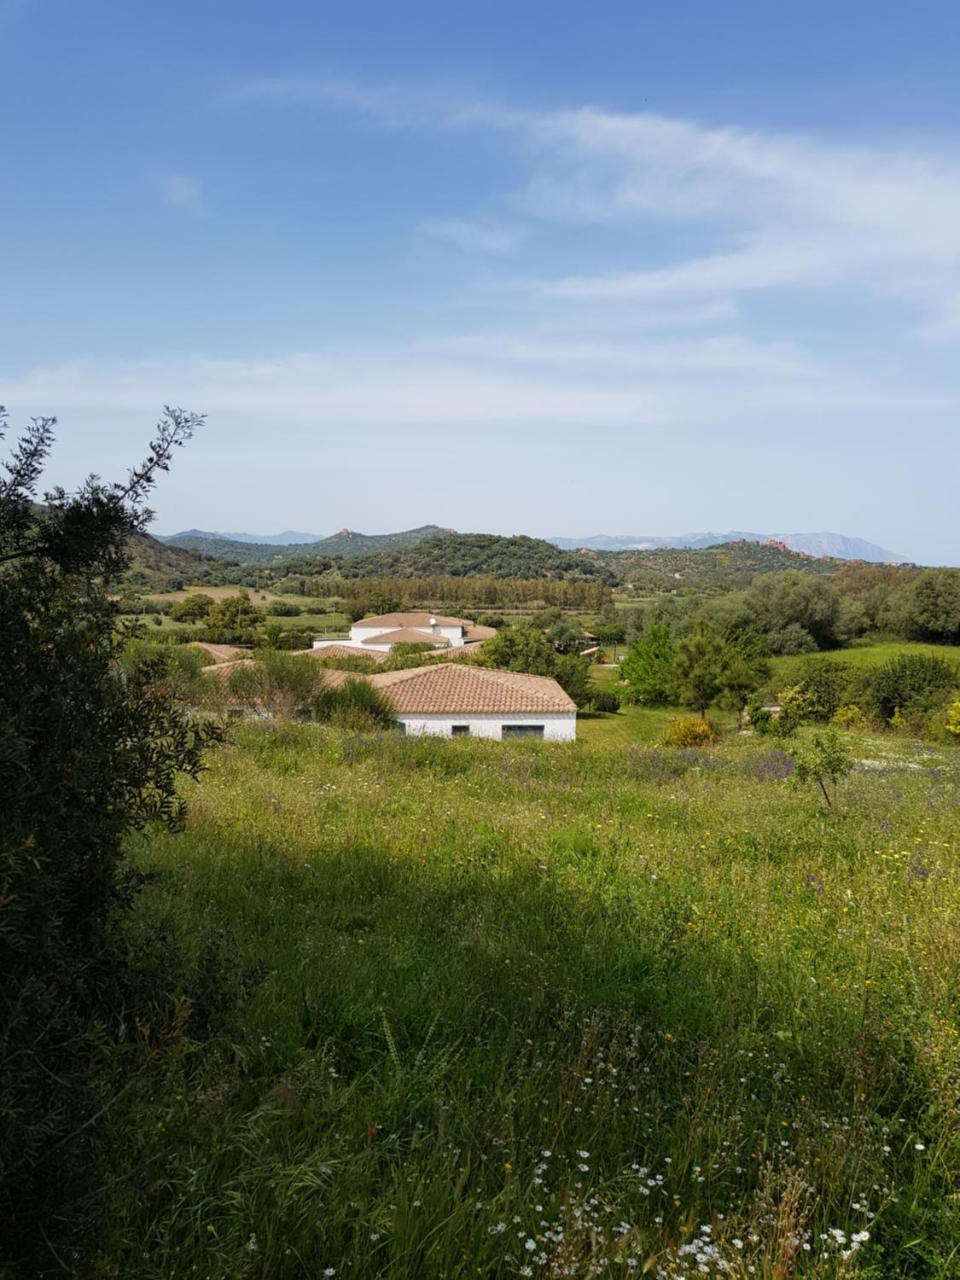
492	1009
863	657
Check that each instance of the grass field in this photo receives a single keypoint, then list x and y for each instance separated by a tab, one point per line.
491	1009
863	656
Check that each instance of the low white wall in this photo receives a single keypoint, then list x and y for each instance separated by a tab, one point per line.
331	644
558	726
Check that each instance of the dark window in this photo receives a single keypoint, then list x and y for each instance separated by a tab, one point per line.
459	729
523	730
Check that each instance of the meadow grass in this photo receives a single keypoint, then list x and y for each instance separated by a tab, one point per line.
460	1008
862	656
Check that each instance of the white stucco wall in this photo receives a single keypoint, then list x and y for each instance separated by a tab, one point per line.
453	634
558	726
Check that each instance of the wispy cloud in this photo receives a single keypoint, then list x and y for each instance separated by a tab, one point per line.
783	211
179	190
472	235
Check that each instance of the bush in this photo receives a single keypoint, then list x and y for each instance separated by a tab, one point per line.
826	684
604	700
690	731
953	719
355	705
789	640
283	609
911	681
849	717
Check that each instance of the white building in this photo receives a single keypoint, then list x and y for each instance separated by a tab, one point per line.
379	634
448	699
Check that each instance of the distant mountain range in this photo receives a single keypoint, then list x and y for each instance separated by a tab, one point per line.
836	545
247	548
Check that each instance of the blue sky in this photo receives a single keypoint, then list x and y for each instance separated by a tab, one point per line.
542	267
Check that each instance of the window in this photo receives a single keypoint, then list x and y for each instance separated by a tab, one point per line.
523	730
458	729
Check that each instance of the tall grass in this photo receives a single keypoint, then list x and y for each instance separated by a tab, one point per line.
468	1008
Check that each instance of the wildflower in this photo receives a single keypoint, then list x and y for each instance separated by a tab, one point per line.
530	1245
330	1271
918	1146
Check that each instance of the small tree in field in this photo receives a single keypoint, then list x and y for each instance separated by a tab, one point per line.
698	668
743	669
823	761
90	750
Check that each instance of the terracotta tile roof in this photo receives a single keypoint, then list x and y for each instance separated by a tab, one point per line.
219	652
447	687
422	620
224	670
453	653
342	651
407	635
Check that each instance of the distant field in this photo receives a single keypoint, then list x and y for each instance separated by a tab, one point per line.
490	1009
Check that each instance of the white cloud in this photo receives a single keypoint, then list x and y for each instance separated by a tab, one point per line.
472	235
780	211
180	190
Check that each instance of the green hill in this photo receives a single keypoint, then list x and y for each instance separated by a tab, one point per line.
729	565
346	543
459	555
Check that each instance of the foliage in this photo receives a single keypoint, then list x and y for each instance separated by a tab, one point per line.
524	647
354	705
849	717
90	749
195	606
792	607
796	705
743	668
689	731
823	761
283	609
605	700
953	718
912	680
934	607
827	684
647	668
402	656
698	667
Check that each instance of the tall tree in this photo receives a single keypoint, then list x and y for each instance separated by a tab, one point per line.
698	667
90	750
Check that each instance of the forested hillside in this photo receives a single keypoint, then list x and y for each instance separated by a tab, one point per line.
347	542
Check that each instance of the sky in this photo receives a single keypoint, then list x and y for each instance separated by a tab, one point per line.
550	268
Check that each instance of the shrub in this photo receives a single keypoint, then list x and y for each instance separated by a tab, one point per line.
283	609
849	717
604	700
355	705
912	680
796	705
690	731
790	640
953	719
826	684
